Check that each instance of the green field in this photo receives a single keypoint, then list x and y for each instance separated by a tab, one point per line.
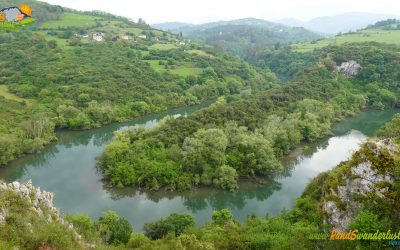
198	52
10	96
115	27
60	42
182	68
4	92
369	35
71	20
161	46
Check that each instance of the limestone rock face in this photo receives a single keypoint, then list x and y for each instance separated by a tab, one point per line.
350	68
39	199
363	181
41	204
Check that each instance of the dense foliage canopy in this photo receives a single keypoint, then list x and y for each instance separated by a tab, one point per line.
243	135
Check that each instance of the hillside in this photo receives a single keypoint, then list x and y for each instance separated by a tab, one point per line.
80	70
382	32
342	23
243	136
364	191
244	37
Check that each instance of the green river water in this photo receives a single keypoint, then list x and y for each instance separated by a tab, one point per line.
68	168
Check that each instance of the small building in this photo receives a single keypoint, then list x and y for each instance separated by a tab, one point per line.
184	42
99	37
142	36
125	38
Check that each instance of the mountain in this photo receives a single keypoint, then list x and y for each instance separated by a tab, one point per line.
171	26
244	37
332	25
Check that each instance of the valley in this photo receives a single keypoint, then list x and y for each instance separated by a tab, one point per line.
238	134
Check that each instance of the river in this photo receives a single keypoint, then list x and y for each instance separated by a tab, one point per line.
68	168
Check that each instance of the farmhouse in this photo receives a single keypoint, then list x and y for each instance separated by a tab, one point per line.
99	37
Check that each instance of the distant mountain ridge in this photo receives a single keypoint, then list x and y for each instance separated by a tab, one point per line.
243	37
169	26
332	25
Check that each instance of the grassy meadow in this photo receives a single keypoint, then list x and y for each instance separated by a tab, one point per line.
368	35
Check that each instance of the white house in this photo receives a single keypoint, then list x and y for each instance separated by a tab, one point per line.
125	37
99	37
142	36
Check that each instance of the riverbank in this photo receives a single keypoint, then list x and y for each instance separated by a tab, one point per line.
68	169
61	131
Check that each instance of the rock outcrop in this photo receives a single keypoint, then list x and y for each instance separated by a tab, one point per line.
39	199
350	68
41	203
358	180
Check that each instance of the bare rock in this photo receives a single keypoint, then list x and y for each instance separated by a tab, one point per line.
363	181
350	68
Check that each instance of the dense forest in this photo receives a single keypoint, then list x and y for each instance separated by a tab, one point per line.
304	226
242	136
86	85
247	37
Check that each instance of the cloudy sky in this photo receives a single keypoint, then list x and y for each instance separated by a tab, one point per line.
199	11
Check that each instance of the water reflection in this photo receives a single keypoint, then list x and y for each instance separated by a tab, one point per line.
199	199
68	168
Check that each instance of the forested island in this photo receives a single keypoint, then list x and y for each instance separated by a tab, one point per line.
304	226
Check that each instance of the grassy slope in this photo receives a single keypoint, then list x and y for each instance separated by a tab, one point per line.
71	20
10	96
117	28
368	35
182	69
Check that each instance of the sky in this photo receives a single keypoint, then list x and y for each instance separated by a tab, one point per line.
201	11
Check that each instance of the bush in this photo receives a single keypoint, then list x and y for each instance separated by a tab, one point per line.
114	229
174	224
222	216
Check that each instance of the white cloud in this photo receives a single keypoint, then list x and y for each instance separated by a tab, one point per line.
211	10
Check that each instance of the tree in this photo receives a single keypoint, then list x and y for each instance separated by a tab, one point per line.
226	178
250	153
204	152
222	216
83	99
39	126
114	229
83	224
175	224
282	134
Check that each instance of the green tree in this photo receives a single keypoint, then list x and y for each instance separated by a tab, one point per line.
174	224
204	152
226	178
222	216
114	229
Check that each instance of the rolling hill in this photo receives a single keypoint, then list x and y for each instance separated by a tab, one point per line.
80	70
384	31
333	25
243	37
